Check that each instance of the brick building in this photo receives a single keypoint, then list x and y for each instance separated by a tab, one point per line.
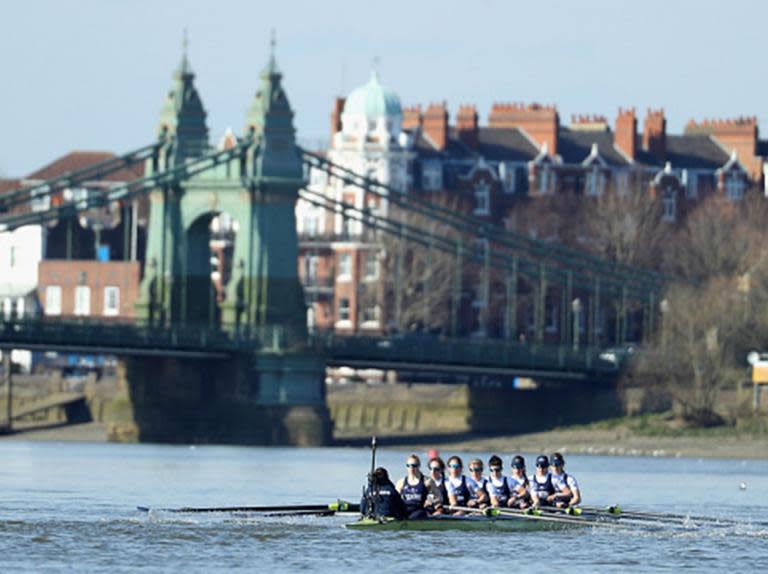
101	289
522	153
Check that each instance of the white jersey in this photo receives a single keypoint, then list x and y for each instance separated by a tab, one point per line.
516	483
560	481
475	485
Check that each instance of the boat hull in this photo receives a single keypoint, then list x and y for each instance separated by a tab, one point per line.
447	522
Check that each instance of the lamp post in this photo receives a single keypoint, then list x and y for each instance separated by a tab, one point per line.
576	307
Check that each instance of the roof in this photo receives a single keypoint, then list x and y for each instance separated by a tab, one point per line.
76	160
372	100
574	146
695	151
505	144
7	185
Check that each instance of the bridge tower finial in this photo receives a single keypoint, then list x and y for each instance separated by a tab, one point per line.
185	67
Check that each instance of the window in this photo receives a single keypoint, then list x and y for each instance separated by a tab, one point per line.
622	183
544	180
482	199
551	315
311	265
318	177
371	266
41	203
7	308
371	314
692	184
508	175
20	306
594	183
53	300
13	256
481	246
345	266
111	301
734	187
82	300
669	205
431	175
309	223
344	309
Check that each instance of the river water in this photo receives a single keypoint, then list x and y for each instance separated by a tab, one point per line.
68	507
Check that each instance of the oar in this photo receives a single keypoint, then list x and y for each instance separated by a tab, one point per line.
668	517
338	506
525	515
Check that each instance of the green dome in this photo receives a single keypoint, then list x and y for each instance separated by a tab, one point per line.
372	100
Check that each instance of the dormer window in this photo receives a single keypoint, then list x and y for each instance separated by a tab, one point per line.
594	182
734	187
431	175
669	205
482	198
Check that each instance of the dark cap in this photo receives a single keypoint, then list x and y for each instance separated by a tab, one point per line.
518	462
494	461
557	459
542	460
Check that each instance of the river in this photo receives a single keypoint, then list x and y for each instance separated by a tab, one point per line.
68	507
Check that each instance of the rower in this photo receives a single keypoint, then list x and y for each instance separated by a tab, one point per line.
519	485
437	475
417	491
541	487
498	487
456	485
381	499
477	484
567	491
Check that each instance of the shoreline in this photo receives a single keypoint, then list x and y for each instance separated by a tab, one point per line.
574	440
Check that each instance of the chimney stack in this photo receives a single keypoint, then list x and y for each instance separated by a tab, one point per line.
412	117
541	123
626	132
435	123
655	134
466	126
740	134
338	107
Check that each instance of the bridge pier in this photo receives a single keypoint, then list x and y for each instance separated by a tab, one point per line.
248	399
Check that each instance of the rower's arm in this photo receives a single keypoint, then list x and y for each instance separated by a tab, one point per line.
575	496
400	485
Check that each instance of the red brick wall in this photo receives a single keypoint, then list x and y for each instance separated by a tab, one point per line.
95	274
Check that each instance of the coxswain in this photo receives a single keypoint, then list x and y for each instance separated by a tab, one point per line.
541	487
418	492
478	485
519	491
567	491
381	499
498	486
437	475
456	485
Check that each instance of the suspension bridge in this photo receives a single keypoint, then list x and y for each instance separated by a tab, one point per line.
246	368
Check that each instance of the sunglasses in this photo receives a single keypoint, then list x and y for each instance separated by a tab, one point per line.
518	466
476	469
455	465
495	468
542	466
412	464
435	468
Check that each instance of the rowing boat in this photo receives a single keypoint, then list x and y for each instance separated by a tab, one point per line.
474	522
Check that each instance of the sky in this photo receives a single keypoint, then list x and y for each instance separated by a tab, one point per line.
91	74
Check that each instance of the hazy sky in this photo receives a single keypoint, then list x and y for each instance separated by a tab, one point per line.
91	74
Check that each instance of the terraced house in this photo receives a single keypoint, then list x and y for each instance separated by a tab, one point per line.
523	152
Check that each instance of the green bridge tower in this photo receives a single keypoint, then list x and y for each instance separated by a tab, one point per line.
258	396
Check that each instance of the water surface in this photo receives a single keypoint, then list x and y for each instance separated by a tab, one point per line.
71	507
